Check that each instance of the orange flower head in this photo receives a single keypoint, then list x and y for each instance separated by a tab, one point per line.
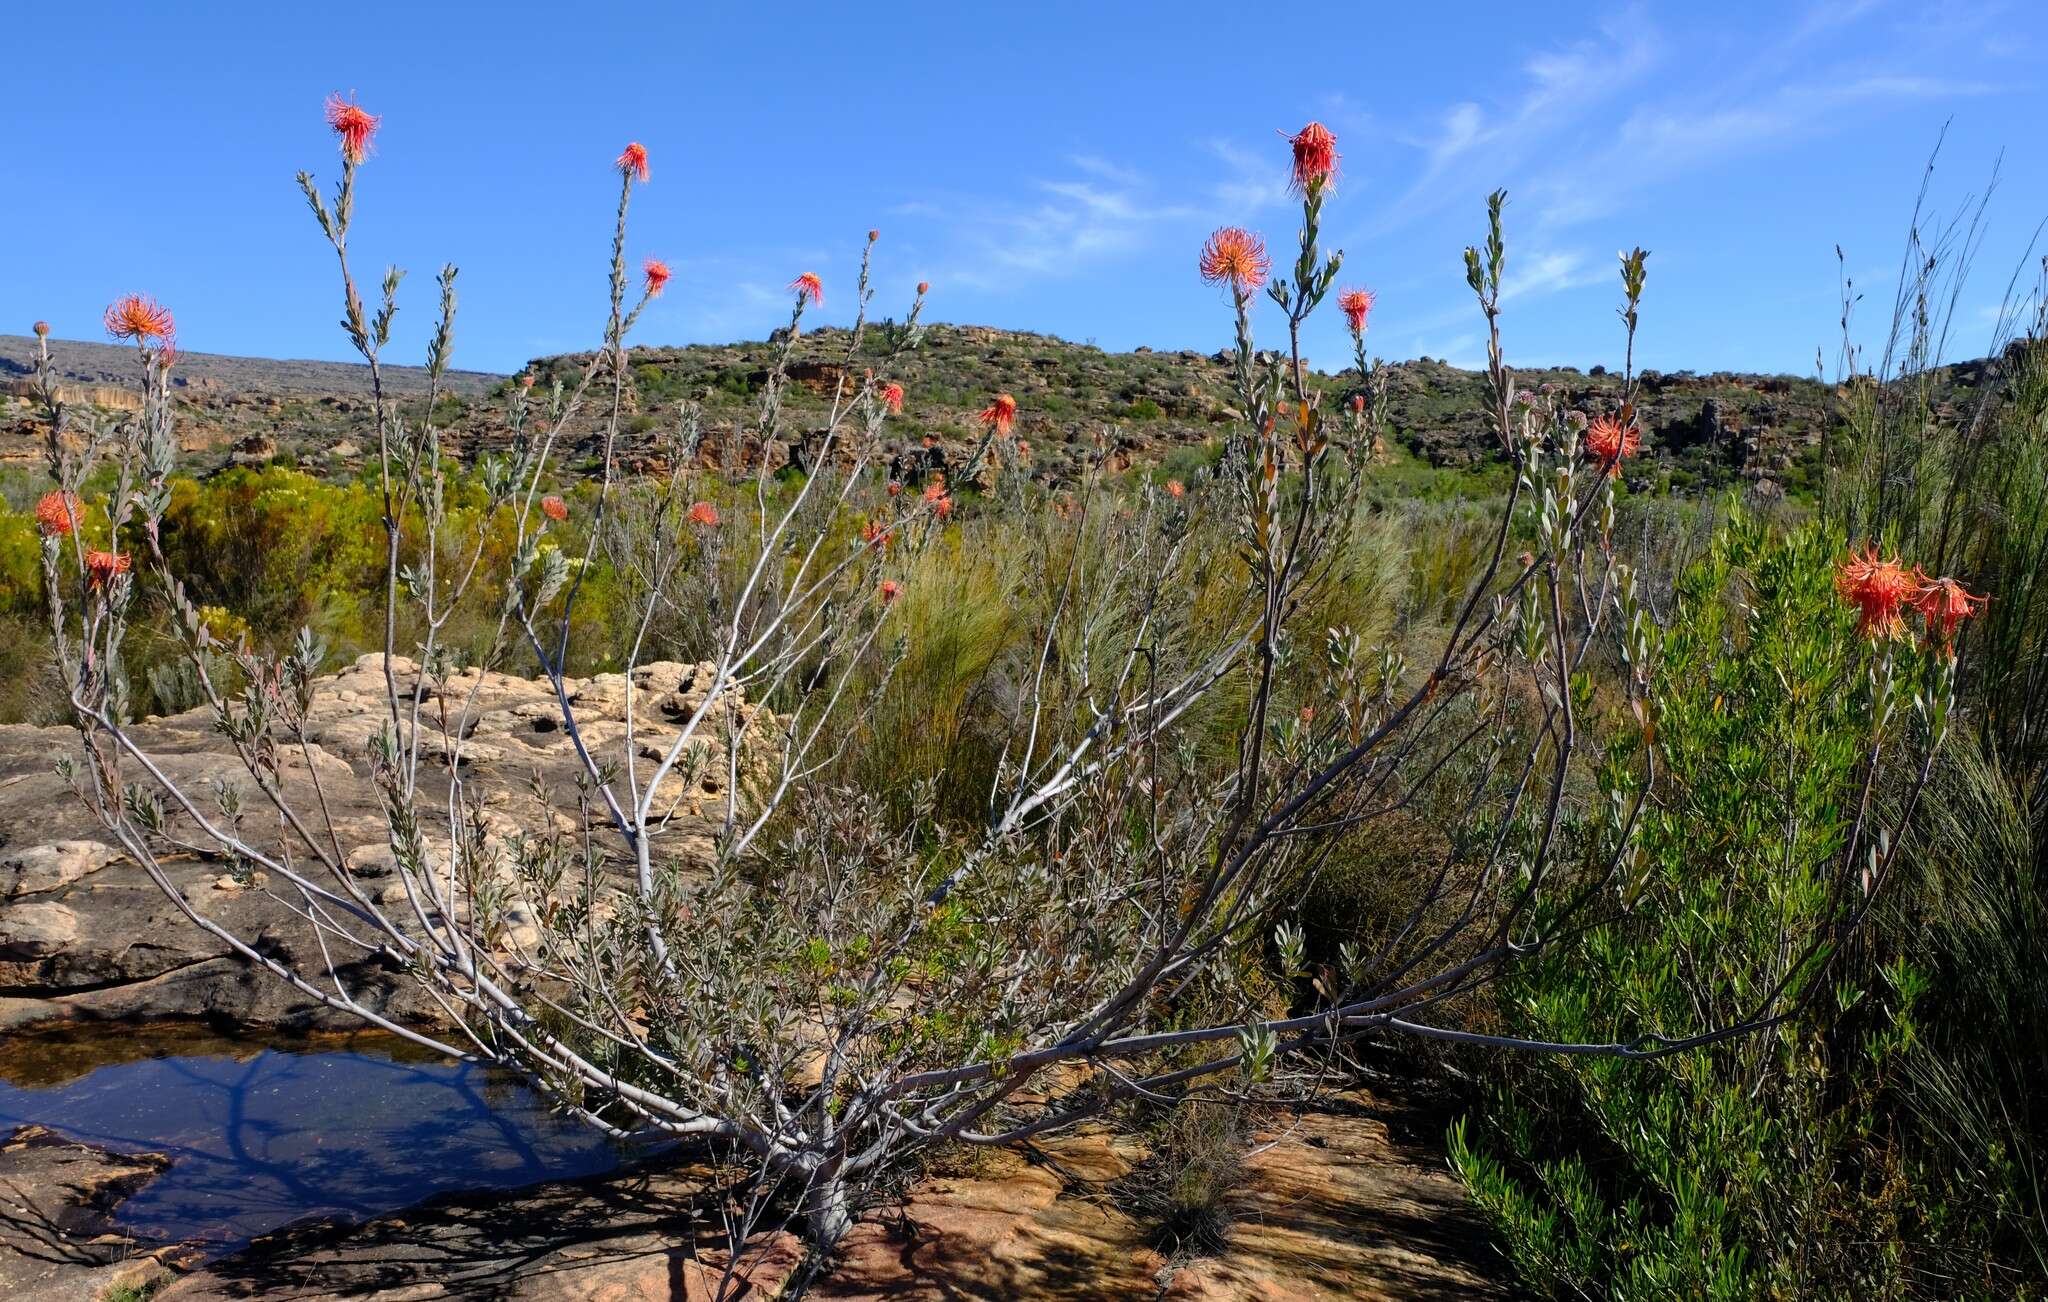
1608	441
892	396
936	489
808	286
874	235
704	513
632	161
923	287
354	125
554	508
895	488
1356	305
1308	714
141	318
101	567
657	274
1174	488
1358	402
1879	589
57	513
943	508
873	532
1315	156
928	442
42	329
890	590
1235	257
1946	604
526	379
1000	414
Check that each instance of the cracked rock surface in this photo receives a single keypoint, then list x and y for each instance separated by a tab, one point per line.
85	933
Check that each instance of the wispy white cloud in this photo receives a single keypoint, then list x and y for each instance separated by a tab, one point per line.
1549	273
1252	184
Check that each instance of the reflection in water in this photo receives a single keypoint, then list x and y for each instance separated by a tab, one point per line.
260	1139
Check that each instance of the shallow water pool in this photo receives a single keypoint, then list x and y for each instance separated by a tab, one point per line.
262	1135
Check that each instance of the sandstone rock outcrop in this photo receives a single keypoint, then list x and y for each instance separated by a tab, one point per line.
85	933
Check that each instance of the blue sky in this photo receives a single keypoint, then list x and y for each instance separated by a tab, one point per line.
1050	167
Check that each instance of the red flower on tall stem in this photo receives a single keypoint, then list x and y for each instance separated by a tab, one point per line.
809	286
1356	305
1879	589
101	567
1235	257
354	125
554	508
657	274
1315	156
57	514
141	318
704	513
999	415
1945	604
891	395
42	329
890	590
1608	441
632	161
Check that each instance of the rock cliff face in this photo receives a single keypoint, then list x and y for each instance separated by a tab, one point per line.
84	933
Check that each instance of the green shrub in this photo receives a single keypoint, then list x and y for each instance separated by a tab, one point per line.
1758	1166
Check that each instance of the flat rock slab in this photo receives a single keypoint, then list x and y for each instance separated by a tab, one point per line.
57	1198
1334	1206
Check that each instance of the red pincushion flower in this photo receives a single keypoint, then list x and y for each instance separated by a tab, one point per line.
943	508
1315	156
1174	488
1608	441
57	513
632	161
1001	414
895	487
101	567
891	394
42	329
1945	604
554	508
1234	256
873	532
890	590
657	274
704	513
809	286
923	286
1356	305
1879	589
936	489
353	124
141	318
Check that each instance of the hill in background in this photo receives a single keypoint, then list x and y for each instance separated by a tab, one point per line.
1159	407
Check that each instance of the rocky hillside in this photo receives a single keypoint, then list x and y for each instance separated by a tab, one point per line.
1702	430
